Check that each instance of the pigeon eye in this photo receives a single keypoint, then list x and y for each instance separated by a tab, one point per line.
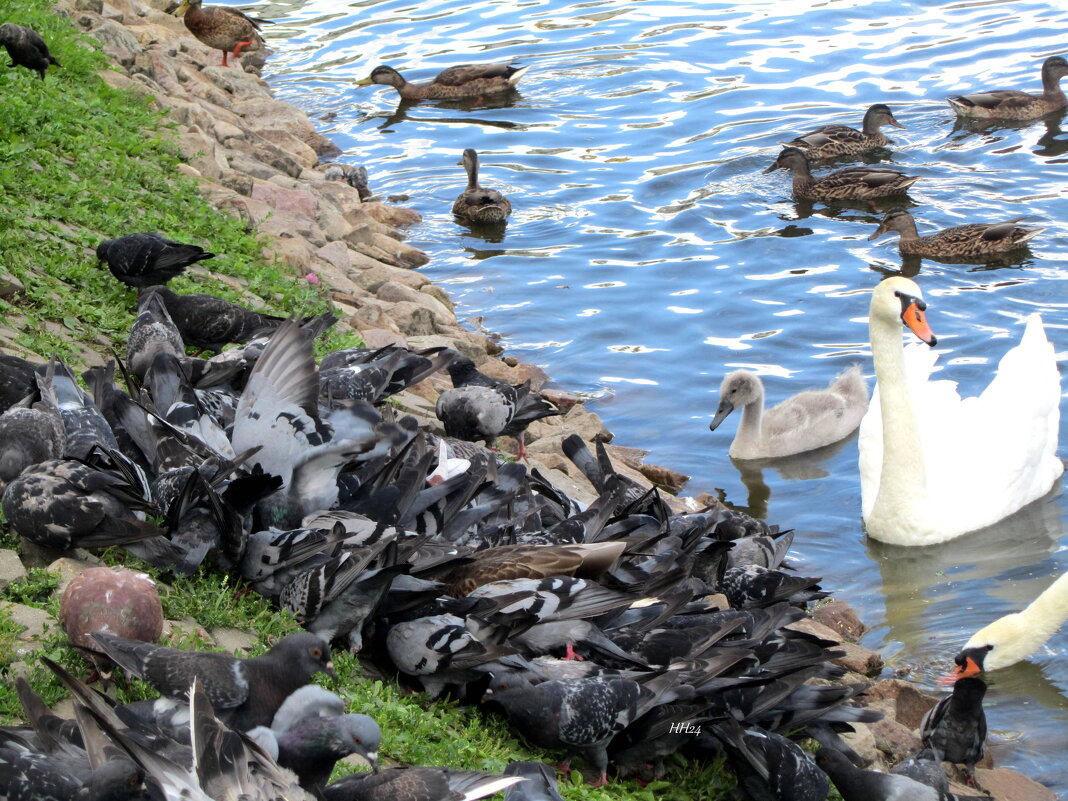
316	653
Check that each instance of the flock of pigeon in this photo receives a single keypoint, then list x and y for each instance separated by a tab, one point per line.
622	632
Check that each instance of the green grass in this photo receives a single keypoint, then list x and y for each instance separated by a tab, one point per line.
80	162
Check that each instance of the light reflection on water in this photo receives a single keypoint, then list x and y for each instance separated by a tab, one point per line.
632	153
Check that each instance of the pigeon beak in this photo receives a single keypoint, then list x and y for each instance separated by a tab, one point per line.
328	669
372	759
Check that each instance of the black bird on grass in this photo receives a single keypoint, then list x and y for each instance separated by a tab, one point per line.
26	48
244	692
210	323
146	259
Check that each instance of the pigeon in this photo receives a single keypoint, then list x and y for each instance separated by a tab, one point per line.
28	437
581	715
17	380
139	260
956	725
311	746
925	766
84	425
540	784
245	692
756	586
153	332
356	177
857	784
26	775
482	408
374	375
418	784
26	48
210	323
66	503
769	766
112	600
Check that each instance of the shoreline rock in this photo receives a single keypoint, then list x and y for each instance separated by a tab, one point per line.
262	160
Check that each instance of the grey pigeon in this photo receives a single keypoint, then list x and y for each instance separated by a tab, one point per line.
153	332
925	766
417	784
857	784
769	766
482	408
210	323
754	586
245	692
374	375
312	746
581	715
540	784
148	259
26	48
63	503
28	437
84	425
956	725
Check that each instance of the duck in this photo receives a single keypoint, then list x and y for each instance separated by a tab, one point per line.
1012	104
1015	636
852	183
476	204
829	141
974	240
802	422
463	80
221	28
934	466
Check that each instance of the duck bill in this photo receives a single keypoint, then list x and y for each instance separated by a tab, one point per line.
967	670
916	320
182	8
725	408
895	123
879	232
364	82
772	168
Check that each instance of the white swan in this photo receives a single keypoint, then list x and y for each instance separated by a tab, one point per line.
802	422
1014	637
934	466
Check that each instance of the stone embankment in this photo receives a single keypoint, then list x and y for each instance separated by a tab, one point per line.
262	160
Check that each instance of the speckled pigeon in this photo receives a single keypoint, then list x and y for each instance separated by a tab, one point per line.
26	48
83	423
153	332
374	375
417	784
17	380
245	692
769	766
26	775
28	437
540	784
147	259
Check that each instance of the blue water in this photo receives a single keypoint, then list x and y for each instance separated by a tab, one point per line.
648	255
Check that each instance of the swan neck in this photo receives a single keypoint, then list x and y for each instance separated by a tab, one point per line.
902	480
749	430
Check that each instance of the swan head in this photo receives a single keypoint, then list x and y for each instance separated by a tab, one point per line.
738	389
900	298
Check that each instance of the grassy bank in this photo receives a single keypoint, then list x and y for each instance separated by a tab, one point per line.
80	162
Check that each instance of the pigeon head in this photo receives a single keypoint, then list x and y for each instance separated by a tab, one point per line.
307	653
115	780
360	734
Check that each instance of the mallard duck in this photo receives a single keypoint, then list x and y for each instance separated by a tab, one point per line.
221	28
829	141
26	48
934	466
962	241
852	183
464	80
1011	104
802	422
476	204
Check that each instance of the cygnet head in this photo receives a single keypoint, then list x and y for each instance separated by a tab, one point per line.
900	298
738	389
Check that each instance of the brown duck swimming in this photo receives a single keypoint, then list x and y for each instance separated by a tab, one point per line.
221	28
1012	104
852	183
584	560
476	204
829	141
975	240
464	80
